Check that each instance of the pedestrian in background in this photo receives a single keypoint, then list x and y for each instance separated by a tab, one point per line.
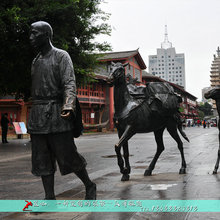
208	124
4	125
204	123
188	124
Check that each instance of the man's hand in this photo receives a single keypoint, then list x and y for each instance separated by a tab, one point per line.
66	114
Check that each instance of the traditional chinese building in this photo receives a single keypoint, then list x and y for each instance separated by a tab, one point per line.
96	99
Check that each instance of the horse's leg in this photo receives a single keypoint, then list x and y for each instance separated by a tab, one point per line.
172	129
127	134
127	168
218	158
160	148
118	152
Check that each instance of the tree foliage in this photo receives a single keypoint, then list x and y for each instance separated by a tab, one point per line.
206	108
75	23
201	115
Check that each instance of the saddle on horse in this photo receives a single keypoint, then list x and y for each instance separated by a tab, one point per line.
159	95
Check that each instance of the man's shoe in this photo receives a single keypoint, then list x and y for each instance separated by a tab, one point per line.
91	192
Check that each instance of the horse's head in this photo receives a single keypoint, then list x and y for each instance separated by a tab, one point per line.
117	73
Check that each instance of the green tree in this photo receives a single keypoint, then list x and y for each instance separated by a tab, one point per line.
201	115
76	23
206	108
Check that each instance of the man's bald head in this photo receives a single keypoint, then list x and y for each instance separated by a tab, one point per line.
43	26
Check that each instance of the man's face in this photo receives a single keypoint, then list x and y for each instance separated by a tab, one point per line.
38	37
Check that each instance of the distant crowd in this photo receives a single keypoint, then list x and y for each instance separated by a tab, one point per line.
197	123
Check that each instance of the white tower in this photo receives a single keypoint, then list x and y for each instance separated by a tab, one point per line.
166	44
167	64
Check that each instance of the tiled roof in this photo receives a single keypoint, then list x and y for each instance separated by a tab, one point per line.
122	55
146	74
117	55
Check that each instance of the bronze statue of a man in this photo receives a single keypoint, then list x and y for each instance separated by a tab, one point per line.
51	121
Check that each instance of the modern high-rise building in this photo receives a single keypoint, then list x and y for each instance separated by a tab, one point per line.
168	64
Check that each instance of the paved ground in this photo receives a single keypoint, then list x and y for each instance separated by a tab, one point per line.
165	183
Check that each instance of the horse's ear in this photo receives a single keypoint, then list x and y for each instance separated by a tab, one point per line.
112	63
125	64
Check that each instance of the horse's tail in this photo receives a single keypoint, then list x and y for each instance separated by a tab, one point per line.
179	126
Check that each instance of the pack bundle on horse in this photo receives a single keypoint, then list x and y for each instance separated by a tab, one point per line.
215	94
143	110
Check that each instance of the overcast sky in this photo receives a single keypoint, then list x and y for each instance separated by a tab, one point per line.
193	29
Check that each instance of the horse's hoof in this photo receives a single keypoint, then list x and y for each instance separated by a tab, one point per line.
214	172
125	177
182	171
126	170
148	173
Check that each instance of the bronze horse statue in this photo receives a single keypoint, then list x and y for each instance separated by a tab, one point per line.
215	94
134	115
